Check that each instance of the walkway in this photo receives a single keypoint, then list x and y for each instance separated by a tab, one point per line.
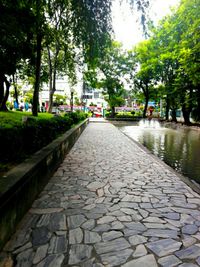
110	204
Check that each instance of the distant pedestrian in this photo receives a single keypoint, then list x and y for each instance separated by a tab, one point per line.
16	106
21	107
26	106
151	111
43	109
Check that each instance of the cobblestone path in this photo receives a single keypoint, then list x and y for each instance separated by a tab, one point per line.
110	204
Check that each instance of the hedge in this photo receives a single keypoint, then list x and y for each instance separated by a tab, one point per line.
20	141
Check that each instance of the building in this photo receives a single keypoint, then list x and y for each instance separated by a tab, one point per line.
93	97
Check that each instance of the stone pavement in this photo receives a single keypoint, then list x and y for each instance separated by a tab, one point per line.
110	204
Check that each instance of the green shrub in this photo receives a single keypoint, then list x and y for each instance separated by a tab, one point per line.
11	143
17	142
77	116
124	115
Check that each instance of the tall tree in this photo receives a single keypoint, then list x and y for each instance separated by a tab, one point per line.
17	23
109	74
87	22
189	19
59	45
144	77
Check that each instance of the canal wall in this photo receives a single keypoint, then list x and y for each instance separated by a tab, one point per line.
20	186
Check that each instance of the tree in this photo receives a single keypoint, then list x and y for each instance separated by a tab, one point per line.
189	18
84	26
176	41
60	49
59	99
87	23
39	8
17	23
108	75
144	75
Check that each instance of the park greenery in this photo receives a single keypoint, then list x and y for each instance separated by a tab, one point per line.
22	134
43	39
164	67
169	62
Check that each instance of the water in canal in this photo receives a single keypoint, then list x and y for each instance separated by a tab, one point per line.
179	148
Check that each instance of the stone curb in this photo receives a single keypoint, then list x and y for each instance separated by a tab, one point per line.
20	186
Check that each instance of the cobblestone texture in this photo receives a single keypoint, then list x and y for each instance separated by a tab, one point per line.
109	204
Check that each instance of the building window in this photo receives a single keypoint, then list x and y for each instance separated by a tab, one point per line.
87	97
96	94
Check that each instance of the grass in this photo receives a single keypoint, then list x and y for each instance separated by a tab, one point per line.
11	119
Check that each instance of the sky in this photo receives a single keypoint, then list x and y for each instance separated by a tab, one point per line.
127	29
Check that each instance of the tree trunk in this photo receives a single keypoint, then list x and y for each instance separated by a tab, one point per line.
39	5
53	75
146	93
145	109
167	108
187	108
3	106
50	81
15	88
186	114
198	104
37	75
112	112
1	87
174	119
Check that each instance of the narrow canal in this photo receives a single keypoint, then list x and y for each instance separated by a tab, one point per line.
179	148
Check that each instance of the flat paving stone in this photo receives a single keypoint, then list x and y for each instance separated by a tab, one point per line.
40	236
110	203
139	251
189	253
114	245
137	239
40	254
169	261
106	219
164	247
52	261
190	229
25	258
146	261
91	237
58	244
111	235
79	253
161	233
75	236
188	265
75	221
137	226
116	258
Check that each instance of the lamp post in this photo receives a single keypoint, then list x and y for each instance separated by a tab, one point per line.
72	99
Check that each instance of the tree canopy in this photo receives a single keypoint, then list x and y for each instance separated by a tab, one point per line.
68	31
52	38
171	57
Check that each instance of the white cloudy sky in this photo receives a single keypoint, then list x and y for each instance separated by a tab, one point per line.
127	29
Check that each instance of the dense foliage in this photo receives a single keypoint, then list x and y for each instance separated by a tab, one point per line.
42	39
19	139
169	62
108	74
